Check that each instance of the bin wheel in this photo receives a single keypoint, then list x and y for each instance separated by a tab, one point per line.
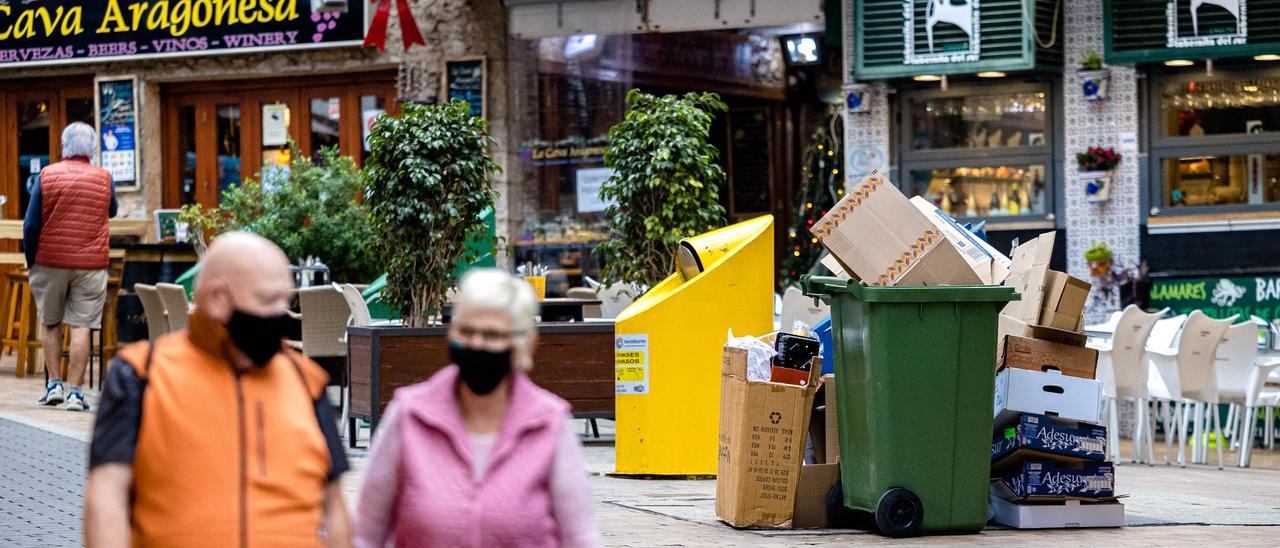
899	513
838	515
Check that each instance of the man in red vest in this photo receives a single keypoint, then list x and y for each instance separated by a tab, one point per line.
66	243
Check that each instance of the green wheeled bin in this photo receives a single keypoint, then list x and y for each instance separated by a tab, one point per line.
915	376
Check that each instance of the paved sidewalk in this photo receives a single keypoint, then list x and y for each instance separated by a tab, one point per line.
41	482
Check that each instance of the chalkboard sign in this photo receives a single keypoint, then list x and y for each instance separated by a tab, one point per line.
465	79
117	111
749	161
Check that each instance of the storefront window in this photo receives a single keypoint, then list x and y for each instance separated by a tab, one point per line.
1217	144
988	191
370	107
33	144
324	128
187	154
228	143
1225	107
979	121
981	151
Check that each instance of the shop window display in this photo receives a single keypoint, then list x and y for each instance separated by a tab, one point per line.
988	191
1222	180
981	121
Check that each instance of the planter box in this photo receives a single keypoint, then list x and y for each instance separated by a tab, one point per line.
573	360
1094	84
1096	185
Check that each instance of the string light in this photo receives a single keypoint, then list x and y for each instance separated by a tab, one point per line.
797	253
831	153
835	171
819	147
815	240
809	205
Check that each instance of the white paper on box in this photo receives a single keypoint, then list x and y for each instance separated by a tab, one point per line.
1047	393
1070	514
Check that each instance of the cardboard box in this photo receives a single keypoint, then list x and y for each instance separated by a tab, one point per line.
762	438
833	426
989	265
1046	393
1041	437
1027	275
811	495
1041	355
879	237
1047	481
1067	515
1063	302
833	265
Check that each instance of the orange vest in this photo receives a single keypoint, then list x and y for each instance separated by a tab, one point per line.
225	459
75	201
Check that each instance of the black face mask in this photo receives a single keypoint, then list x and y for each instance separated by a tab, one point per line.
257	336
482	370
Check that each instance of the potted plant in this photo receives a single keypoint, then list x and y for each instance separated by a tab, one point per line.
665	185
427	183
1099	258
1129	282
1094	79
1095	172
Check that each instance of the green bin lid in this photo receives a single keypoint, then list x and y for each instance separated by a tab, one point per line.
817	286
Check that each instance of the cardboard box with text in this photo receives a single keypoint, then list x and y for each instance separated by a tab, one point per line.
1042	355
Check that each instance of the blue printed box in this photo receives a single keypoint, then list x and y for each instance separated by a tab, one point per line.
1039	480
1034	435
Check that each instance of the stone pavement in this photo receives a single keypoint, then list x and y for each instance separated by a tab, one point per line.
1166	505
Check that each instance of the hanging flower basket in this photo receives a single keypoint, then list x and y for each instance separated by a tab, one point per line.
1095	175
1094	83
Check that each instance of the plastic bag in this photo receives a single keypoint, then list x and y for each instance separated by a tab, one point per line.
759	356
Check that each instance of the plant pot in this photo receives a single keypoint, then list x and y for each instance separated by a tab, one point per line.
1096	185
1094	84
1099	267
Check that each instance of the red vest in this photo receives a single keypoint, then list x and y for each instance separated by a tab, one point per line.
75	203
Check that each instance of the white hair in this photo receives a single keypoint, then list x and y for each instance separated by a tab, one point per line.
493	289
79	139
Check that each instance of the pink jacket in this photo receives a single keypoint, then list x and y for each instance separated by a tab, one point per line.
440	504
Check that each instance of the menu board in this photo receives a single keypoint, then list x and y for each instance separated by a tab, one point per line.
749	161
464	79
117	109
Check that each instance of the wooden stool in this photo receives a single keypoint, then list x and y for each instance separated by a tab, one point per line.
20	330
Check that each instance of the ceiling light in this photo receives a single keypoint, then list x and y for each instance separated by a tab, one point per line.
1267	57
1179	63
926	78
991	74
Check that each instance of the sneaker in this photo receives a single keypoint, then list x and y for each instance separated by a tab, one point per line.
53	394
75	401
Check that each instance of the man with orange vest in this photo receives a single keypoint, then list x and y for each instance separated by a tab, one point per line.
65	240
218	435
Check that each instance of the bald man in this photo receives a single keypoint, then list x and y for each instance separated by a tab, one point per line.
218	435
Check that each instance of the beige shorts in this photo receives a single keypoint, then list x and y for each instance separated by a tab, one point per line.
71	296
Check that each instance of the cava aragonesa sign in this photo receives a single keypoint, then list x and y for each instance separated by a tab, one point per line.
903	38
1148	31
43	32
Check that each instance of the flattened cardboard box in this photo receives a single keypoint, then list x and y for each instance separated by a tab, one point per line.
1070	514
881	239
1042	480
1041	437
1007	325
989	265
1027	275
1063	303
1041	355
762	436
811	495
832	415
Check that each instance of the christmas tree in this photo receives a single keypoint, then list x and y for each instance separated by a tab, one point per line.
823	186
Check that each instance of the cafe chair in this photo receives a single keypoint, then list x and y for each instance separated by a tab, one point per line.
1123	370
1235	366
1259	396
1163	336
176	306
324	321
153	309
587	294
1190	374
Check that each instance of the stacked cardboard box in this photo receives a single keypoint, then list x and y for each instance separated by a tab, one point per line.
1048	452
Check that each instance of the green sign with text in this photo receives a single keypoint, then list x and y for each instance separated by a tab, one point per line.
1219	297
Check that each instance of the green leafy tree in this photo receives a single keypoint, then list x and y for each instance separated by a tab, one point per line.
311	209
427	179
665	185
823	187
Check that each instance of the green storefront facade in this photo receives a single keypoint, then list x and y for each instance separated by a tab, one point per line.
1219	297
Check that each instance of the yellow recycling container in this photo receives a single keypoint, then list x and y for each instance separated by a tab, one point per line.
668	350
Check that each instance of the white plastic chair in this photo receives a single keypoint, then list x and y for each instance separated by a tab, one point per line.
1163	336
796	306
1260	396
1122	369
1191	377
1235	366
616	298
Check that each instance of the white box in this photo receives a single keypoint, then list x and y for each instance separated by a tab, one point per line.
1047	393
1069	514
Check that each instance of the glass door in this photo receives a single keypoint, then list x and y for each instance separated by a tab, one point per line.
204	153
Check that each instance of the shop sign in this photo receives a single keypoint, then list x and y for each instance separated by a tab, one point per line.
1219	297
70	31
465	79
901	38
1142	31
589	182
547	154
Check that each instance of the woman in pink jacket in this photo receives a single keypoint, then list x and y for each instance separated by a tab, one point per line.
478	455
